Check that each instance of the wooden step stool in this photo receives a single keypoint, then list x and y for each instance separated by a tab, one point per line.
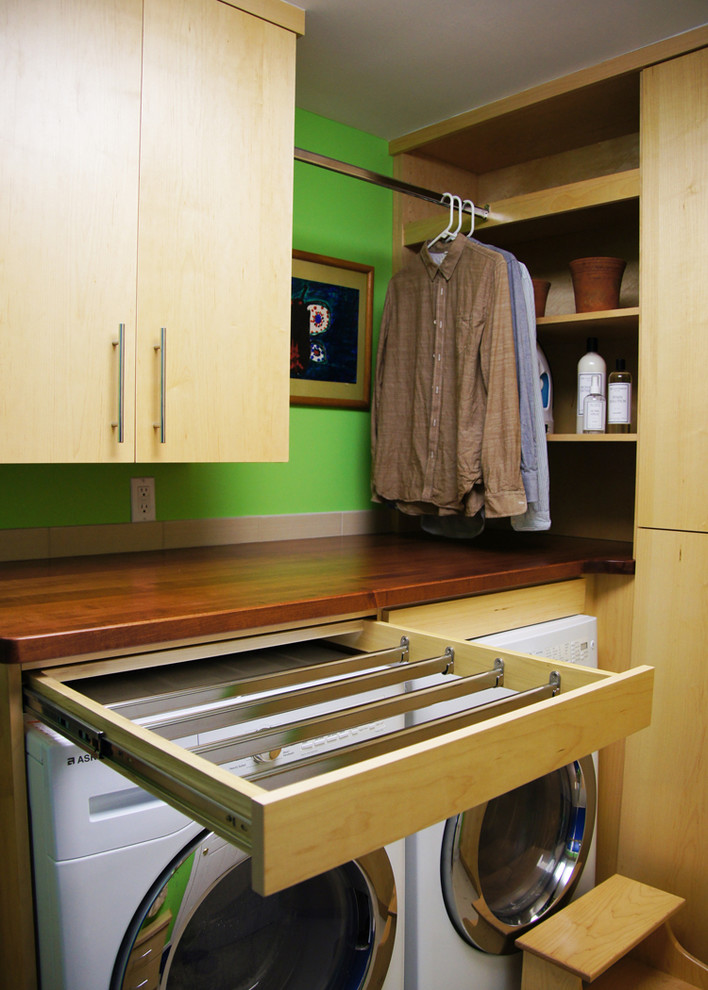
616	937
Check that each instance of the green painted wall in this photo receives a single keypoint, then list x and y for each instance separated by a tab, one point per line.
328	468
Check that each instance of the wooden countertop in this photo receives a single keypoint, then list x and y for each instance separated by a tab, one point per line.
83	605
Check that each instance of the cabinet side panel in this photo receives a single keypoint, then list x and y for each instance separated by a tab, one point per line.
673	446
16	916
665	800
611	599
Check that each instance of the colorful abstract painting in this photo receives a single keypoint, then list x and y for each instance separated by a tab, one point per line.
330	331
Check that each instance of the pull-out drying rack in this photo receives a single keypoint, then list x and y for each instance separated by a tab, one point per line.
300	817
185	714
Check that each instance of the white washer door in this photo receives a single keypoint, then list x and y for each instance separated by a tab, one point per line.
505	865
201	927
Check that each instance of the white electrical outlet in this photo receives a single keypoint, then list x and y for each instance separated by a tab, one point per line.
142	499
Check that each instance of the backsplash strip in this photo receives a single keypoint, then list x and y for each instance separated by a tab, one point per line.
72	541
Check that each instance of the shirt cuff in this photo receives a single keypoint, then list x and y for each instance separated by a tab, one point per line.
505	503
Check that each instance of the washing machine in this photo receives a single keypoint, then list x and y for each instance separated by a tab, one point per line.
475	882
132	894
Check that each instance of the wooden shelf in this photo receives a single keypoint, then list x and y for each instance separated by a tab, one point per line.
542	121
542	205
562	337
591	437
594	104
607	319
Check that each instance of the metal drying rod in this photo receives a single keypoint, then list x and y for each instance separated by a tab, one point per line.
396	185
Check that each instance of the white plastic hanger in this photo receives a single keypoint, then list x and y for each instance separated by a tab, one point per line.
471	205
455	201
458	228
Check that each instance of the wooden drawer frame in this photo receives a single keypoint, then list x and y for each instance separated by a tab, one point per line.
301	829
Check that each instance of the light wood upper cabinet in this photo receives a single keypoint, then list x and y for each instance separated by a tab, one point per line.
673	451
70	79
215	241
149	149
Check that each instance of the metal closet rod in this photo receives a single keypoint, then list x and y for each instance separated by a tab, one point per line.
397	185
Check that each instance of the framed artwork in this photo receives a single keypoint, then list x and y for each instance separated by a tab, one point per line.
331	307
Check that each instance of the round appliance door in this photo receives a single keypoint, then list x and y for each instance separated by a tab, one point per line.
202	927
507	864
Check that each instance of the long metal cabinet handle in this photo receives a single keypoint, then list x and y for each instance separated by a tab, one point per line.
120	344
161	347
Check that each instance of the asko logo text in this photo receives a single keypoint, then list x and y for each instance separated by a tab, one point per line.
80	759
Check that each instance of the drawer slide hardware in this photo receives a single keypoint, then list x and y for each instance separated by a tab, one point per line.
171	788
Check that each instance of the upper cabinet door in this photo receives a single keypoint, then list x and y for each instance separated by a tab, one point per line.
673	447
214	255
70	125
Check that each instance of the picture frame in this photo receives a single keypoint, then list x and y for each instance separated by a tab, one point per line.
330	332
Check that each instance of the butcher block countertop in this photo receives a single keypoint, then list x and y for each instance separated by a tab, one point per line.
83	605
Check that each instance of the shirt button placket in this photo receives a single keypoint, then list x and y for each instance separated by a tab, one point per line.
434	425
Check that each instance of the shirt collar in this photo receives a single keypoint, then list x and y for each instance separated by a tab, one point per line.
449	263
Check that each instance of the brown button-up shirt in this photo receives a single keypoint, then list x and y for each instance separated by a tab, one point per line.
445	412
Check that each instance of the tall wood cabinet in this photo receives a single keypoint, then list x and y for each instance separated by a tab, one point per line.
665	806
673	463
147	168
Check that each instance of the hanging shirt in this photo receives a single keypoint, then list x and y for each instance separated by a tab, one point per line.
445	409
526	371
538	514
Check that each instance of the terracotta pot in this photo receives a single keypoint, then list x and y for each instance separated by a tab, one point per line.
540	295
596	283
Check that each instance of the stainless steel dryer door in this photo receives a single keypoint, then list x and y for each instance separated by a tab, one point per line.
508	863
202	927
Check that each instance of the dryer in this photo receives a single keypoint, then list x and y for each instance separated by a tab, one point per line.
131	894
479	880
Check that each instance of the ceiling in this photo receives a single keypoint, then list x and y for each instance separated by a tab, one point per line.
390	68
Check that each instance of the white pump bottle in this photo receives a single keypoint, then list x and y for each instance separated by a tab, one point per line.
589	364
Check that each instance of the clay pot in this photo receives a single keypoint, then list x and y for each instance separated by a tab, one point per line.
540	295
596	283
